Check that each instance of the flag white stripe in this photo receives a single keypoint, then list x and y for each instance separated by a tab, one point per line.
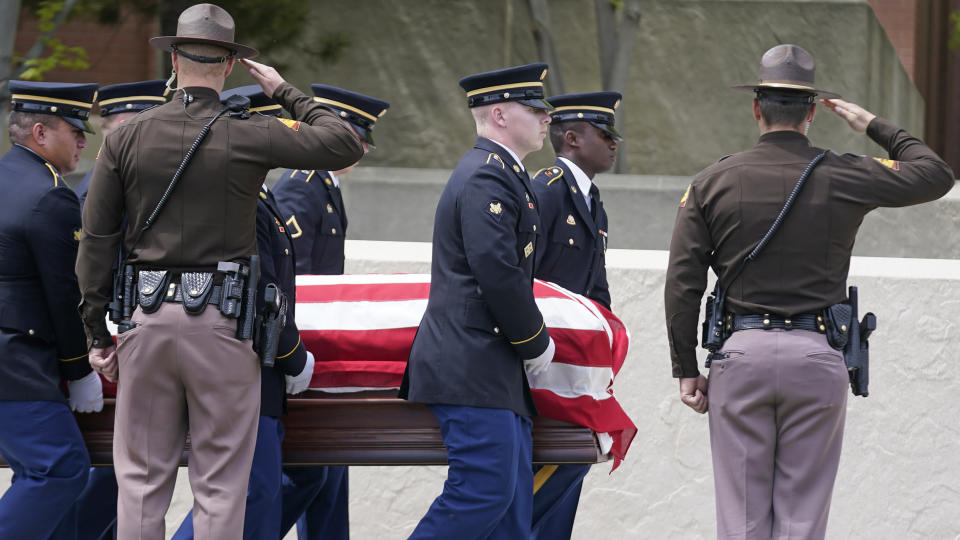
569	381
362	279
360	315
568	313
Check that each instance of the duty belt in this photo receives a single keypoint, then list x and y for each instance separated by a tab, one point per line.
814	323
173	294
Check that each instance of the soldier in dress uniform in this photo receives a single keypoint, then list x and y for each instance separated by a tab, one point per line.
317	497
188	359
572	255
482	332
119	103
293	367
41	336
777	389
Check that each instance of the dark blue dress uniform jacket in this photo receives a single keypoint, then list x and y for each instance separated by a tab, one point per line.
41	336
481	319
277	266
573	253
313	210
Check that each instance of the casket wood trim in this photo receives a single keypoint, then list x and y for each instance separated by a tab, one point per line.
366	431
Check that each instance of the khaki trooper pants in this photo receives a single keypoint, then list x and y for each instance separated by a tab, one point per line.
179	370
777	409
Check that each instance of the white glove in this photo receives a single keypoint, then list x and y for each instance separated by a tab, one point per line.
86	394
538	365
298	383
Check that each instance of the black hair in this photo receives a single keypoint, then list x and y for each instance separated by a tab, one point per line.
784	109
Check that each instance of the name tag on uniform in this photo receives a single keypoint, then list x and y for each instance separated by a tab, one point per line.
528	249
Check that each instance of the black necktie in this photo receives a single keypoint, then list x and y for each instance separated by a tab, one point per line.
594	201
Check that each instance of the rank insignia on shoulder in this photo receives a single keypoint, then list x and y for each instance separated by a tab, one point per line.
329	208
527	250
570	220
895	165
493	155
292	124
76	234
496	208
683	201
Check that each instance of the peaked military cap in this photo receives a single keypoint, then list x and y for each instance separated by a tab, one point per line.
72	102
361	111
598	108
259	102
787	72
206	24
523	84
131	97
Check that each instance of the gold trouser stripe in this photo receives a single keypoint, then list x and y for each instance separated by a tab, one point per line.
84	355
584	108
530	84
529	338
158	99
44	99
542	476
291	350
342	105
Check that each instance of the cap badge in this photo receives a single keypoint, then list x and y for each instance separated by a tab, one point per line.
570	220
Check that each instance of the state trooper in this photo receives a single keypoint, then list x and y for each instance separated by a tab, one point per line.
314	212
41	335
119	103
188	358
482	331
293	366
778	389
573	255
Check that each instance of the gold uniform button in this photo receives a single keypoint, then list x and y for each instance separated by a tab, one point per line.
286	251
30	331
823	328
787	321
843	328
496	329
570	241
333	231
766	321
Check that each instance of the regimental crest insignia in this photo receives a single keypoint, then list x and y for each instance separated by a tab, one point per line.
527	250
76	234
683	201
496	208
895	165
570	220
328	181
292	124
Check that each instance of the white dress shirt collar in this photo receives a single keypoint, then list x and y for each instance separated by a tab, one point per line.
583	181
512	154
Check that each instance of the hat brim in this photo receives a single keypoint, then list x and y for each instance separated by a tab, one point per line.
166	43
79	124
609	130
536	104
364	134
820	94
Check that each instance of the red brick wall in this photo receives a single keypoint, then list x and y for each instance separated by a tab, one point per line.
899	20
118	53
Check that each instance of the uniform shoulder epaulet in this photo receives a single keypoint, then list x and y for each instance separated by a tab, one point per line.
302	174
551	173
495	156
53	172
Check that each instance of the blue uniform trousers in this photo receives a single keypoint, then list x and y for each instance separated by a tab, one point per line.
43	445
555	500
97	506
489	489
317	500
262	517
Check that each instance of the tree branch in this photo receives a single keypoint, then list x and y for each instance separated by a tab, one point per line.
540	15
40	44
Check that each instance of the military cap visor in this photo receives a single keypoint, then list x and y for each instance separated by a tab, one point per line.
259	102
131	97
523	84
72	102
359	110
597	108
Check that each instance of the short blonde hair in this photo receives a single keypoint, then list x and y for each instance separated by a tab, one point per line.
197	69
481	117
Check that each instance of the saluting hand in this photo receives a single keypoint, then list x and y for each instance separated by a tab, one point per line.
104	361
266	76
693	393
855	115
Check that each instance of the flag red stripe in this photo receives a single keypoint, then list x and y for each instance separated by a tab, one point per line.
366	292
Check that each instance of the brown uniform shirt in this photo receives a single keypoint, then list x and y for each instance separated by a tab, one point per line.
731	205
211	215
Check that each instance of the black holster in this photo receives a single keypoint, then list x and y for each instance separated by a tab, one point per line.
239	298
846	332
124	299
714	333
269	325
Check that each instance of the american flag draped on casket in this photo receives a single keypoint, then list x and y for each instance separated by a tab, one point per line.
360	329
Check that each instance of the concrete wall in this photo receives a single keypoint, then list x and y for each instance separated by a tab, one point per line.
898	471
399	204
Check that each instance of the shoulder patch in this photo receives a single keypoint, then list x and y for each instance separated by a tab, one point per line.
493	155
683	201
895	165
292	124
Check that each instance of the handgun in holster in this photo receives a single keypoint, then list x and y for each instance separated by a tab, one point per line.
239	298
271	323
123	302
847	332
